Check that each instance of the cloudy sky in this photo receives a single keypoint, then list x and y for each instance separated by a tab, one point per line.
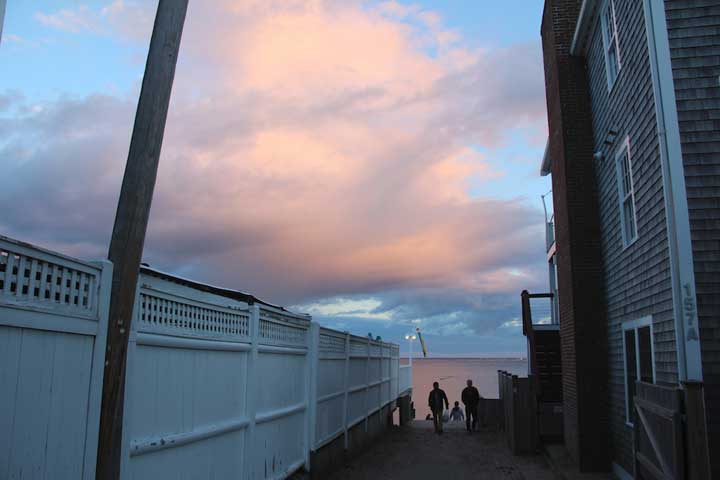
372	163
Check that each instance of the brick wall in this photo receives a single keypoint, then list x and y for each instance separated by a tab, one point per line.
581	300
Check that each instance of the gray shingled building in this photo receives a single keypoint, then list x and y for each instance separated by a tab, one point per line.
633	94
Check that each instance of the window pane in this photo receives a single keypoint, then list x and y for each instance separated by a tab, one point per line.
627	183
609	26
629	219
645	353
630	371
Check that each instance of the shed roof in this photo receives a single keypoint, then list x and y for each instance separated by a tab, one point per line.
221	291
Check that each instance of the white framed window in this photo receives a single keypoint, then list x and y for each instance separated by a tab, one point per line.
638	359
611	43
626	194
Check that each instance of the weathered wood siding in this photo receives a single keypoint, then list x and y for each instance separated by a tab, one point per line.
636	278
694	34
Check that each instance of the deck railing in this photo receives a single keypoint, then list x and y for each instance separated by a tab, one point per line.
216	386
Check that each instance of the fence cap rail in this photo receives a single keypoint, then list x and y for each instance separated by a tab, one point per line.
25	248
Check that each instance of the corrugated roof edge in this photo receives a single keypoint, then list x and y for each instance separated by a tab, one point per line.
223	292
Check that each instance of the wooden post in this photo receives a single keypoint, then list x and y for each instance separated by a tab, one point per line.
131	219
698	456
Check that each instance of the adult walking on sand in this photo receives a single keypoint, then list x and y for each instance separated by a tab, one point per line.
435	401
471	398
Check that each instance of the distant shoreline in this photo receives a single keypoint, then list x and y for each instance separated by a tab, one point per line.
463	358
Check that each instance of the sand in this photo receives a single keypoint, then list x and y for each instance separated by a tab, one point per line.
416	453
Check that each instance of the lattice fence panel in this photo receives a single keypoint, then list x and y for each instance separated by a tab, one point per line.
331	343
278	329
47	283
358	348
173	316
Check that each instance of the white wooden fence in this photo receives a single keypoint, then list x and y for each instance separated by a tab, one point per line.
356	378
53	323
218	386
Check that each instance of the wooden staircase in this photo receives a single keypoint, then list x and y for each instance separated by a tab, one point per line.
544	355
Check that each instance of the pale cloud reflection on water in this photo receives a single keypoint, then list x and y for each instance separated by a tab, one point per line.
452	373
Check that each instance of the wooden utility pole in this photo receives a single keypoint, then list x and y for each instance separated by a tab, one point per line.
2	17
131	219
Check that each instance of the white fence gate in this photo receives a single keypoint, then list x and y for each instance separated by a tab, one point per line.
53	324
218	385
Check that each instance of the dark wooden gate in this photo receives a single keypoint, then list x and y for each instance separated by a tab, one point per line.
659	440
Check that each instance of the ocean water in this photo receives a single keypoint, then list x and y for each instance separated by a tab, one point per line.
452	373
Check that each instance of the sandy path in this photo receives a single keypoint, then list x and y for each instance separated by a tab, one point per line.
417	453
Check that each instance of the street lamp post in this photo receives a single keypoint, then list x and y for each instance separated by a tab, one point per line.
410	338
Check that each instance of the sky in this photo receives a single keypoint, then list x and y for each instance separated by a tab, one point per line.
372	163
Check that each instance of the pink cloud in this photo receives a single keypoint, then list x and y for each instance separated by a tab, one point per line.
313	149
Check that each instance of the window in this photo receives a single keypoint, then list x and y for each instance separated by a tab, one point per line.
626	192
639	363
610	42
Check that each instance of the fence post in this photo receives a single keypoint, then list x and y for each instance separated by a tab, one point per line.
513	413
347	386
698	460
367	386
251	390
312	361
382	379
131	360
503	400
396	363
96	382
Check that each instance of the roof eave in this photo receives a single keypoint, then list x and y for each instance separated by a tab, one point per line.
583	27
545	165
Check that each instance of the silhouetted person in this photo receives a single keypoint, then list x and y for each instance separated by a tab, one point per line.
471	400
457	415
435	401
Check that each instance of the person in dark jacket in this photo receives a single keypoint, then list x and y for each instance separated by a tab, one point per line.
471	399
435	401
